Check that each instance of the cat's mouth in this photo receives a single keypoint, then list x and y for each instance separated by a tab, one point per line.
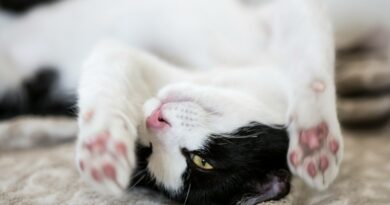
157	120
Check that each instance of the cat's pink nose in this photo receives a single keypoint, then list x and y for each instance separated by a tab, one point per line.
156	120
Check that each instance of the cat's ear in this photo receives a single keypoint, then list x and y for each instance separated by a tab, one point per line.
275	186
298	32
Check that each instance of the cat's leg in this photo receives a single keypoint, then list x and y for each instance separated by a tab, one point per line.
316	144
114	84
305	55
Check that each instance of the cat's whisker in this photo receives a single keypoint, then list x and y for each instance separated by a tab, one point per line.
139	173
205	128
138	181
151	179
188	194
245	137
211	113
225	139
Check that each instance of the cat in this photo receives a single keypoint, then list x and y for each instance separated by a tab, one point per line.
202	135
213	136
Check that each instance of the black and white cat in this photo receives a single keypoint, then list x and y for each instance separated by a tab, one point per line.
216	136
225	135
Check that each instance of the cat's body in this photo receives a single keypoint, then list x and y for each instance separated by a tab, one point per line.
192	114
207	34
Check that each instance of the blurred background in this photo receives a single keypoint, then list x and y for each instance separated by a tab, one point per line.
46	175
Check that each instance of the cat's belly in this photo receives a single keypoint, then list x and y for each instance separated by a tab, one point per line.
197	36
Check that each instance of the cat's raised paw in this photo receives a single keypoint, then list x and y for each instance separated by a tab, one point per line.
104	160
315	155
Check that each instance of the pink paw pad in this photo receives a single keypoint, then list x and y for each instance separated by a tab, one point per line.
295	158
121	148
81	165
99	143
315	151
109	171
312	139
324	163
87	116
318	86
334	146
312	169
96	175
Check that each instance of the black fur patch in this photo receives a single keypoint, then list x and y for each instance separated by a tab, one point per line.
250	166
19	6
36	97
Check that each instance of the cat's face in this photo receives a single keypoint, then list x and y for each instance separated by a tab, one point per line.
215	149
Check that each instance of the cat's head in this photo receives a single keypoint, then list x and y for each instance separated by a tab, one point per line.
215	146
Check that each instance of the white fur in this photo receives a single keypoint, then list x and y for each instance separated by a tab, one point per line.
206	34
282	48
216	95
108	74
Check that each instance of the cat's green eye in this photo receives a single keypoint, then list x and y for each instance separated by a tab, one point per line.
200	162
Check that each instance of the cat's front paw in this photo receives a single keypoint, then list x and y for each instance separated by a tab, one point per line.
316	144
105	155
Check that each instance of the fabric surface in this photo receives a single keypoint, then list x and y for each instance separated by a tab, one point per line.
363	86
48	176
